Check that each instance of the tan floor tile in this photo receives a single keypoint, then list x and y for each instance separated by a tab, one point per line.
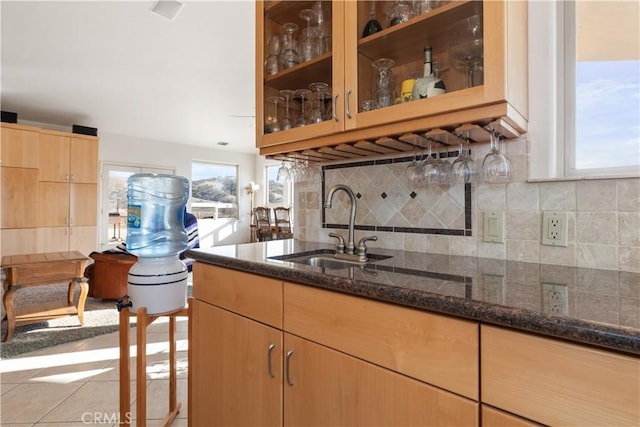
31	401
74	372
6	387
158	400
96	400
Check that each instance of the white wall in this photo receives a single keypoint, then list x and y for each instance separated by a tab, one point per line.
129	150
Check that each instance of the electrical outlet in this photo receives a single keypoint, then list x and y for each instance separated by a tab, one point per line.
554	228
555	299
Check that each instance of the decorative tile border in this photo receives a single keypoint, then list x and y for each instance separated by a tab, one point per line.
466	230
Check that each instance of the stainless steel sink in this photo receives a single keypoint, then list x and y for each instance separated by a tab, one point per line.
327	260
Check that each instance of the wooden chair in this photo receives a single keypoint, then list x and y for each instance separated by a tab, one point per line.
283	223
262	218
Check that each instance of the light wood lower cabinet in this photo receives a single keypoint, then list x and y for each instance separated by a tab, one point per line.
492	417
230	381
246	372
558	383
329	388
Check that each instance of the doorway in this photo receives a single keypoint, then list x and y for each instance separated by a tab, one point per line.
113	215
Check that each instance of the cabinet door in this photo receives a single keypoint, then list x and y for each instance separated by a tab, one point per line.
19	148
83	166
83	239
19	197
53	239
492	417
327	68
232	383
83	204
16	241
53	204
54	157
326	387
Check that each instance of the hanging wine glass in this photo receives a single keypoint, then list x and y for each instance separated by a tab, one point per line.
302	94
464	168
429	166
317	109
414	169
290	55
444	174
283	173
496	167
286	123
274	123
373	25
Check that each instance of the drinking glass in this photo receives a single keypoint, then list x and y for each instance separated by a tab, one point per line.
464	168
444	173
399	12
383	82
273	123
272	63
302	94
290	55
310	45
373	25
286	123
496	167
317	109
430	166
466	47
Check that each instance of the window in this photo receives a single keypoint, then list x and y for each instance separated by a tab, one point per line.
584	91
214	190
602	87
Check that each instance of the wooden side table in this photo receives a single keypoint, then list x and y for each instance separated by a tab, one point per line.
143	320
37	270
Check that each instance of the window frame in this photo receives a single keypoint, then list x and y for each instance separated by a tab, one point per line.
552	118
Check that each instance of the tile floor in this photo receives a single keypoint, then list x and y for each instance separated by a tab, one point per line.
77	384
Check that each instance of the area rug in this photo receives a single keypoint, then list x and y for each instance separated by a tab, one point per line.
100	317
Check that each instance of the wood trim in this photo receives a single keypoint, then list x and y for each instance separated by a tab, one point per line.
558	383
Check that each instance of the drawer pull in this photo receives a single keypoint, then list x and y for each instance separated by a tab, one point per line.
269	351
287	363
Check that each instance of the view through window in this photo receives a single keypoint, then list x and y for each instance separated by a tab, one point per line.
214	190
275	188
606	102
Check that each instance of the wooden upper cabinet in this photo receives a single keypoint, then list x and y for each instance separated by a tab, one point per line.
347	68
19	147
54	157
65	158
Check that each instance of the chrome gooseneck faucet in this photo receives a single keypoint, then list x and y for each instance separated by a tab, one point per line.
348	251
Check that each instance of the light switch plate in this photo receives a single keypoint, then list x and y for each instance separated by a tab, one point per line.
493	227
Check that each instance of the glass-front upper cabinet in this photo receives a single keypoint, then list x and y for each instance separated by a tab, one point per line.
332	73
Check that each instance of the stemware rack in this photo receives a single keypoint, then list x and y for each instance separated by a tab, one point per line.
478	132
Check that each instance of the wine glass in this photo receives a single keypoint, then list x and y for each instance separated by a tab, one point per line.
290	55
317	111
414	169
302	94
274	124
373	25
444	173
286	123
496	167
283	173
430	166
464	168
466	47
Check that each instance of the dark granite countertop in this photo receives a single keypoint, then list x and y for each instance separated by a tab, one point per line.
596	307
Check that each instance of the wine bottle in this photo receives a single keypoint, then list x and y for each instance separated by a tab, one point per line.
428	85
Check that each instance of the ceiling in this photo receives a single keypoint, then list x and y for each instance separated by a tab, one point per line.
117	66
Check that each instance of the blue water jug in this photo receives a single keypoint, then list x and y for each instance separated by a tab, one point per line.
156	234
155	221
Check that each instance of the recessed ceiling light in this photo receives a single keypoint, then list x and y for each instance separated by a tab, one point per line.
223	143
168	9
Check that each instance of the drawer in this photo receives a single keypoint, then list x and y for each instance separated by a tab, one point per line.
436	349
558	383
256	297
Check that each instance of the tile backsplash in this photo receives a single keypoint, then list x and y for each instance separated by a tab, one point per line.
603	214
